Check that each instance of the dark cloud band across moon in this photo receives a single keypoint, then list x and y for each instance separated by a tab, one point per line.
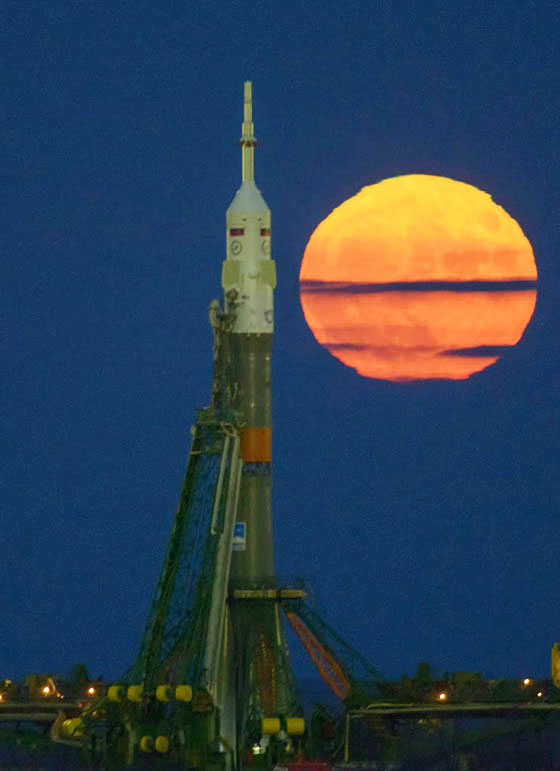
415	286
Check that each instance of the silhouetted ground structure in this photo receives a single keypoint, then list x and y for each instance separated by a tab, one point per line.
459	744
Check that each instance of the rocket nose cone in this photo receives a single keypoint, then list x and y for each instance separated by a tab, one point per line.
248	199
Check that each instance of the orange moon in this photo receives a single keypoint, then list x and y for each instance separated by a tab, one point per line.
418	277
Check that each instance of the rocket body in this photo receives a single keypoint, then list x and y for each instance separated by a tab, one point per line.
256	675
248	280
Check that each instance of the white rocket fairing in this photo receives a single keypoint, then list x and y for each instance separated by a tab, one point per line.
249	273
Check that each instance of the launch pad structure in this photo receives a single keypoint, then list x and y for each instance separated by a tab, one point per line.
212	685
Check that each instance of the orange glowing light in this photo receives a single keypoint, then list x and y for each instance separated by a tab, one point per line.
442	696
91	690
418	277
526	681
46	690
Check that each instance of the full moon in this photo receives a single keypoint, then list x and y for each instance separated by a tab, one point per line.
418	277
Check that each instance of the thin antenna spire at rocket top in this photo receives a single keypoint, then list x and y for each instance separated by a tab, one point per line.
247	140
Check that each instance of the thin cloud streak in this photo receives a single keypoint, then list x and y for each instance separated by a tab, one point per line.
342	287
479	350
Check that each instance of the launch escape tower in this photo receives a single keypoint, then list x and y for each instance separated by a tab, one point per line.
212	684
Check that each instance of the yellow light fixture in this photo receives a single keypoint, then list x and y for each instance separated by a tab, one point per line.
162	744
295	726
270	726
164	693
116	692
135	693
183	693
73	727
442	696
526	681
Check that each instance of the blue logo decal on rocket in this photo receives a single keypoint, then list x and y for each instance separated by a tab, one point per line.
239	537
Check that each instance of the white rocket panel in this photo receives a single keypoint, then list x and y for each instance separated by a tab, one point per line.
249	273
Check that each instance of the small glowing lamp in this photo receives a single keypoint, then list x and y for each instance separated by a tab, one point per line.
1	697
442	696
91	690
46	690
539	694
256	749
527	681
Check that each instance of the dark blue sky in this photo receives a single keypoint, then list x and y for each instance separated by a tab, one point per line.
426	515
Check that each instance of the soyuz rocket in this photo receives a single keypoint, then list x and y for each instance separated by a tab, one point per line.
256	673
248	281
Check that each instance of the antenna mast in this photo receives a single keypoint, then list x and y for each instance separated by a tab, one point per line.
247	140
